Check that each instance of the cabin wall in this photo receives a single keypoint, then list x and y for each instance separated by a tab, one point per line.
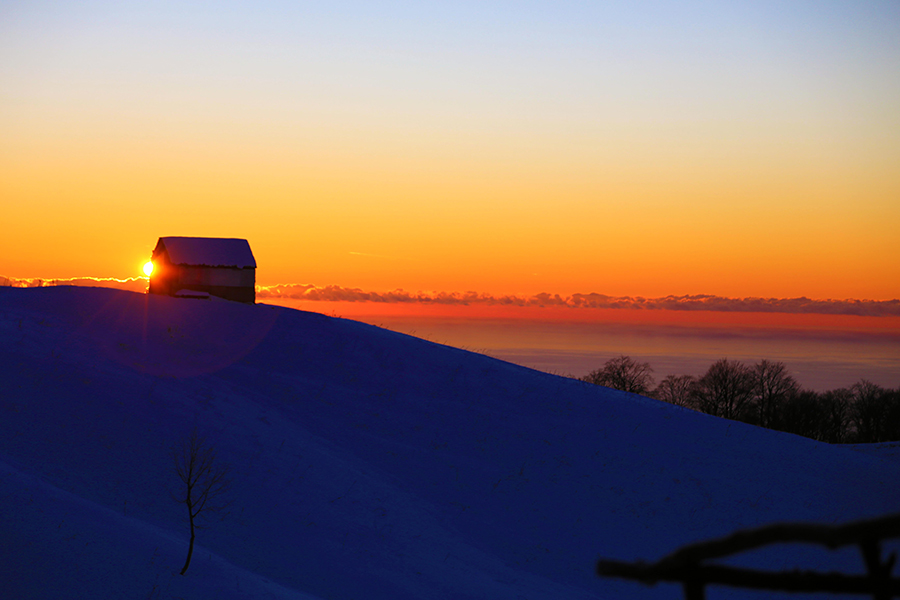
217	276
223	282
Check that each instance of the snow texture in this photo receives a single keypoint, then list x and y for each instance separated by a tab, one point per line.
208	252
365	464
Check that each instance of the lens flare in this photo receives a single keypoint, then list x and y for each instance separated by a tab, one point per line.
148	268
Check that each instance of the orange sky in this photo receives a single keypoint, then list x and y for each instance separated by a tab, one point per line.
732	151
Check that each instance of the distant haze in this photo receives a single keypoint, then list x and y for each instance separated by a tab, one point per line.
823	351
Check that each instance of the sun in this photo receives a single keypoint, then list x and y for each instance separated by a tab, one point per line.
148	268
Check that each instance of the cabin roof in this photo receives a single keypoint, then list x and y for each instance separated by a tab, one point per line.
207	252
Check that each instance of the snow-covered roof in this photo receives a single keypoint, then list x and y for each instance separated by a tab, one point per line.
207	252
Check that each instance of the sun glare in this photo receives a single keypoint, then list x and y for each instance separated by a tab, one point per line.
148	268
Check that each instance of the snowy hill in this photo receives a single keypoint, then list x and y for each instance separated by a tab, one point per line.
365	464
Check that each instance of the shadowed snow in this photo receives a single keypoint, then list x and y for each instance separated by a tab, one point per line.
365	463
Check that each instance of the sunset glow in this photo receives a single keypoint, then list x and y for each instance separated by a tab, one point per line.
470	297
740	150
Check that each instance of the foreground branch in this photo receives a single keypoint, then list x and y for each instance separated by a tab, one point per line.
684	565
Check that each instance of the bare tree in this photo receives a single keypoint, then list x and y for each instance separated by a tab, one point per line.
676	389
875	413
772	387
891	415
205	481
836	405
623	373
866	412
803	413
726	389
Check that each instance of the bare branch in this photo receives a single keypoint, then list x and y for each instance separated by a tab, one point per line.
623	373
685	565
205	481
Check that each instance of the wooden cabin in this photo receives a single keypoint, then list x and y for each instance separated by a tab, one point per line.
193	267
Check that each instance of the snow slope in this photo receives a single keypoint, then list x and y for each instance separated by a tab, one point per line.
365	463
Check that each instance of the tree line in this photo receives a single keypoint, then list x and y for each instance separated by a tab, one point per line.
765	394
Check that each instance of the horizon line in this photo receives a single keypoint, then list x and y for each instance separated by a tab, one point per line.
592	300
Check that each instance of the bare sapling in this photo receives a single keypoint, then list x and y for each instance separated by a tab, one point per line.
204	481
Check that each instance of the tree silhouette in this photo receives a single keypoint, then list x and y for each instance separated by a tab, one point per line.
875	412
725	390
836	405
676	389
765	394
205	481
867	411
772	387
803	413
623	373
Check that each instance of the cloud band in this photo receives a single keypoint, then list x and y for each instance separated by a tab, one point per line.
335	293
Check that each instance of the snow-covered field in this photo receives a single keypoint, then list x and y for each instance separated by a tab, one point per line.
364	463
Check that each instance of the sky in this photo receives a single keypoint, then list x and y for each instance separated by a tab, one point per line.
653	149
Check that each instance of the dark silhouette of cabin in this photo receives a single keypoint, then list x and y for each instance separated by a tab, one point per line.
194	267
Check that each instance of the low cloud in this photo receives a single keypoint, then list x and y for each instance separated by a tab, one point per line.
333	293
133	284
336	293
